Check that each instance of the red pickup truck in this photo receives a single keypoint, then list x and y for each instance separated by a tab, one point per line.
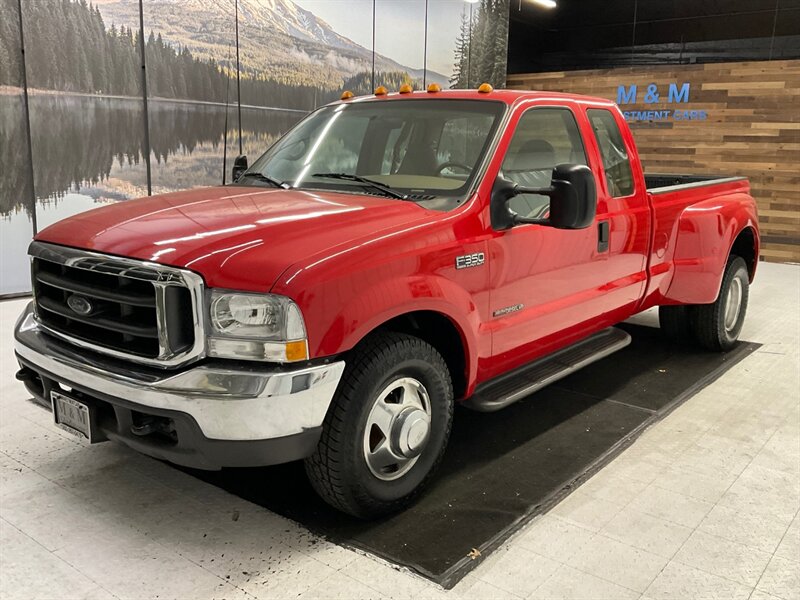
389	256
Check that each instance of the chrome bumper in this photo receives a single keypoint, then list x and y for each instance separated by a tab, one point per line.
228	402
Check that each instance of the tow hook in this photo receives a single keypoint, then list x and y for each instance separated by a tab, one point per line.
26	375
146	425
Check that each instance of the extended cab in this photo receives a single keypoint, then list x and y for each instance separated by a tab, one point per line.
388	257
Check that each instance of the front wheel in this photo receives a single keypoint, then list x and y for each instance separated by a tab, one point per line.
387	428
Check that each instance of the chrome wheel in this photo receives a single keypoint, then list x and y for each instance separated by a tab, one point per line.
733	304
398	427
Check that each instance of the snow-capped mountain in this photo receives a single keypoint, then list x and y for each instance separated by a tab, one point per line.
277	38
287	17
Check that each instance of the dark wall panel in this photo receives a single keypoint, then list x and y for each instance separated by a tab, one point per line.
578	35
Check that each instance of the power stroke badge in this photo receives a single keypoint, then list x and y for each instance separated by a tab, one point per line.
508	309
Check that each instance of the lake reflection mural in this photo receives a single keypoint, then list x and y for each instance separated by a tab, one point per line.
83	64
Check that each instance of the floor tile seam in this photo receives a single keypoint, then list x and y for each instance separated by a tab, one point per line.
717	574
58	557
566	564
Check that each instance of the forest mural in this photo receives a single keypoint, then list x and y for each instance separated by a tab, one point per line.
83	65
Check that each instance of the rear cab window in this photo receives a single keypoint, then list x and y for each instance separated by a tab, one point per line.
616	162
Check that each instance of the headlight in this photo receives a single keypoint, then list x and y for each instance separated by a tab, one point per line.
255	327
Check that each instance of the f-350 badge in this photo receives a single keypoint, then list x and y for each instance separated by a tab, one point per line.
466	261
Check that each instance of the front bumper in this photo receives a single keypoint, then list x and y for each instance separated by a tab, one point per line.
222	413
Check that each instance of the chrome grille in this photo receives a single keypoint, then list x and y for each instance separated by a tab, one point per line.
131	309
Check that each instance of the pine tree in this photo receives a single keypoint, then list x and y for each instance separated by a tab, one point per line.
459	78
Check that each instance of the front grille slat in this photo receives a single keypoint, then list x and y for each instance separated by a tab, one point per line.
128	308
95	291
98	321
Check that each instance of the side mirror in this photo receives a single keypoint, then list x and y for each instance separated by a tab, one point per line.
239	167
573	200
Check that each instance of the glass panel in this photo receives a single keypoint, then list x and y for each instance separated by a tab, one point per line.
16	206
87	129
399	43
544	138
480	44
615	155
438	147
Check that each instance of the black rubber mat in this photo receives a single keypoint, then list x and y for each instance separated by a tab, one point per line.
503	468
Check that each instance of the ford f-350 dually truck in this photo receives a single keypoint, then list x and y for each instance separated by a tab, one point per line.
388	257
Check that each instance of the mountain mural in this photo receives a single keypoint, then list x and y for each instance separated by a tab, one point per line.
278	39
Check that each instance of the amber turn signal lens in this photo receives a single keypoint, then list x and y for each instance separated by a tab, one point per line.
381	91
296	350
347	94
434	87
406	89
485	88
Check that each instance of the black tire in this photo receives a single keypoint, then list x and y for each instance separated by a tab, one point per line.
675	323
338	469
708	321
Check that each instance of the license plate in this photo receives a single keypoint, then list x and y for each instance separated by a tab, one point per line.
71	415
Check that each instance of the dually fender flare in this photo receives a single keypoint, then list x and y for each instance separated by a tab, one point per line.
705	235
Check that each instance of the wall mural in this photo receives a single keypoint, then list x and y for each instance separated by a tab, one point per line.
83	67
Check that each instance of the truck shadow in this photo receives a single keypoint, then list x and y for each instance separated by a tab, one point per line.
503	468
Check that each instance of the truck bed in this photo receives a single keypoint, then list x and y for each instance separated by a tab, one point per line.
660	183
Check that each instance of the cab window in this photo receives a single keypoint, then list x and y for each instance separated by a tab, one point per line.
544	138
616	164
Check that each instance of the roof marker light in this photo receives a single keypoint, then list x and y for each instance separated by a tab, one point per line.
406	88
381	91
485	88
347	94
434	87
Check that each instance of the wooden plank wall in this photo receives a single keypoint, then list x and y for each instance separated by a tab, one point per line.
752	129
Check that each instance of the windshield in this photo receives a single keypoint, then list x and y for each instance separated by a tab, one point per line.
420	149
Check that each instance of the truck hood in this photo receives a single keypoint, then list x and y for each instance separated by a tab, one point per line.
236	237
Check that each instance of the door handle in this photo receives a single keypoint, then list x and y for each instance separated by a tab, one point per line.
602	236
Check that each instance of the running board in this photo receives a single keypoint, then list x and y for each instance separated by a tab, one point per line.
507	389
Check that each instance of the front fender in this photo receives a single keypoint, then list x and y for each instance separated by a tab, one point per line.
705	235
370	307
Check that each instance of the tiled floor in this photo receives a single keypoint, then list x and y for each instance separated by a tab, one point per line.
704	505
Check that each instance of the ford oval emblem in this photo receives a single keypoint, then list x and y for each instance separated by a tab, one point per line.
80	305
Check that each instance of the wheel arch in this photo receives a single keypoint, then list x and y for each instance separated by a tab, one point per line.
441	332
746	246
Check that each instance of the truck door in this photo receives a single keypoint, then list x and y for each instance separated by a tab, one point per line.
546	283
625	221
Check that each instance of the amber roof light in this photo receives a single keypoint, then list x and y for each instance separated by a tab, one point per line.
406	89
347	94
434	87
485	88
381	91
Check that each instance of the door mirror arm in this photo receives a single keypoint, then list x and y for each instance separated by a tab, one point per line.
502	215
519	219
572	193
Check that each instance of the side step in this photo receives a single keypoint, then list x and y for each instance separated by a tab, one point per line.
507	389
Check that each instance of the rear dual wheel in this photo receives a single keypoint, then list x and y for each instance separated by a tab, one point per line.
714	326
387	428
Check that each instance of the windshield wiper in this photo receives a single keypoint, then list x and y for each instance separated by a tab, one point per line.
370	182
262	177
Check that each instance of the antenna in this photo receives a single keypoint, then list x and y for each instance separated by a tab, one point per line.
225	132
425	51
373	46
238	87
146	149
